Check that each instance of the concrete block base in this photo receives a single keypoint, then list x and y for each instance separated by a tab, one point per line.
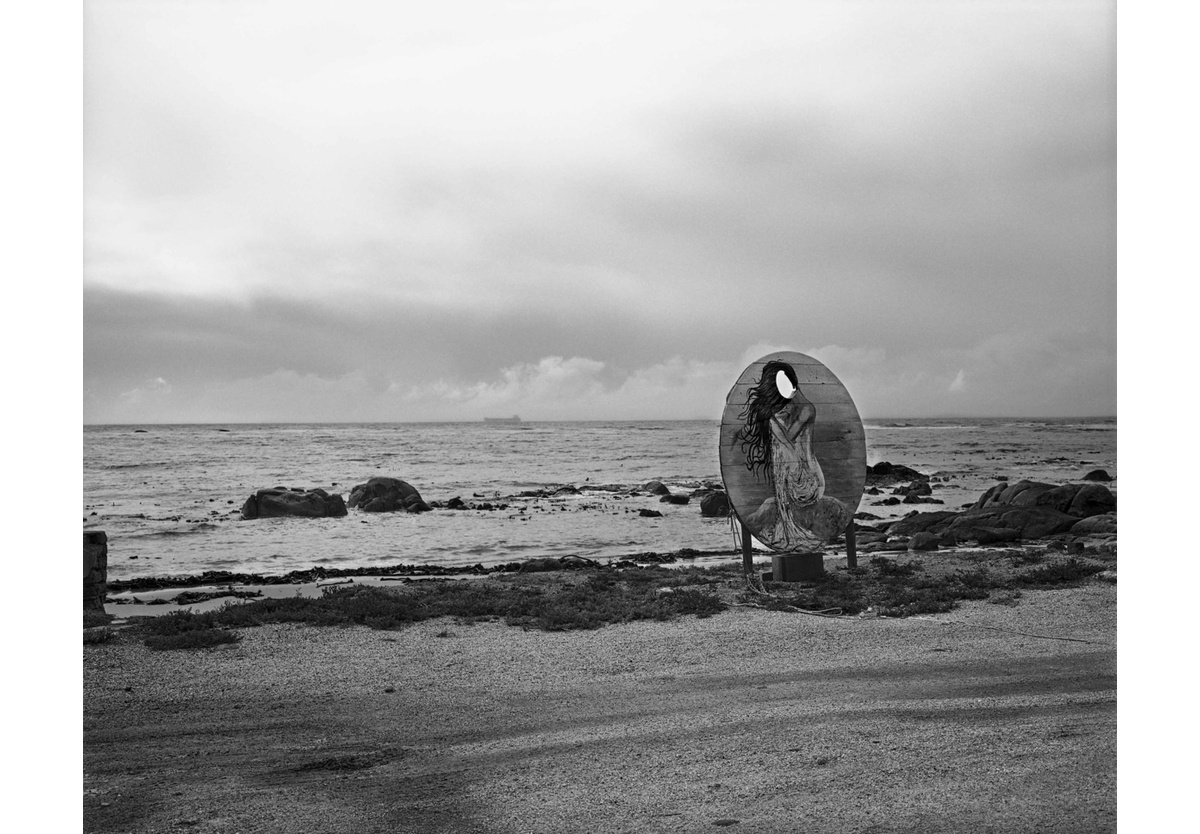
797	567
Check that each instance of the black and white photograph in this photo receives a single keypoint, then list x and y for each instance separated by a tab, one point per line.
558	417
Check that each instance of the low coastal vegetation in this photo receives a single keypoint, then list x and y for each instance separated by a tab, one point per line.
549	602
893	588
604	595
187	630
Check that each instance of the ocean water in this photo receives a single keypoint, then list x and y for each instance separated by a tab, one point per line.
169	497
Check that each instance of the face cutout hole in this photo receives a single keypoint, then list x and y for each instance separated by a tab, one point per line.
786	389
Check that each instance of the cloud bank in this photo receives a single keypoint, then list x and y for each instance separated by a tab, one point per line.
360	211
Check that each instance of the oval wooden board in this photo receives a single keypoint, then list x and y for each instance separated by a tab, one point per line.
838	441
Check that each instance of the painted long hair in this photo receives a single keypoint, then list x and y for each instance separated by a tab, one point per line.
762	402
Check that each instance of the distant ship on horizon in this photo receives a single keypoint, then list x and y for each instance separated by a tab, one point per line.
512	419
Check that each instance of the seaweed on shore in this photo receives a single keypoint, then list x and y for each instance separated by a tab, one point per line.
602	598
317	574
893	588
594	596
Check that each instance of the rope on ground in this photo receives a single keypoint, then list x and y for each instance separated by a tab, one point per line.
828	613
1008	630
755	585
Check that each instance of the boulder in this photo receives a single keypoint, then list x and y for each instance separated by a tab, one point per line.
988	535
1022	493
385	495
282	502
644	513
1025	493
923	541
675	498
1092	499
540	565
935	522
1079	500
988	525
1060	498
1098	475
885	547
1016	511
714	505
885	472
914	488
656	488
1096	525
913	498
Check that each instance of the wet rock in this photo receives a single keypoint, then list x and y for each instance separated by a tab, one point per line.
675	498
385	495
714	505
1098	475
921	499
1009	524
923	541
1096	525
1004	493
947	539
281	502
656	488
988	535
540	565
1079	500
548	564
934	522
885	547
1092	499
885	473
644	513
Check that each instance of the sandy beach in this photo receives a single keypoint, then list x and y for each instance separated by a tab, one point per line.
987	718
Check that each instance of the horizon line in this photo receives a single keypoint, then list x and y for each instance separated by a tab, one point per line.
480	421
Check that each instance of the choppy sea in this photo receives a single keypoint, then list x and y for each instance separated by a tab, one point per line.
169	497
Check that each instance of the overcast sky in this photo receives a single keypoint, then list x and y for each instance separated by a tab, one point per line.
345	211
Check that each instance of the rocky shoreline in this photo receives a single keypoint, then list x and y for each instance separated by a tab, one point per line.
1077	517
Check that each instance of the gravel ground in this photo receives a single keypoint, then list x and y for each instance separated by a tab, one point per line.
751	719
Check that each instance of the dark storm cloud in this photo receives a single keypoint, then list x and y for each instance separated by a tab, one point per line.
130	337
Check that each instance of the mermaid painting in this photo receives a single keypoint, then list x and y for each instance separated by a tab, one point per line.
776	438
